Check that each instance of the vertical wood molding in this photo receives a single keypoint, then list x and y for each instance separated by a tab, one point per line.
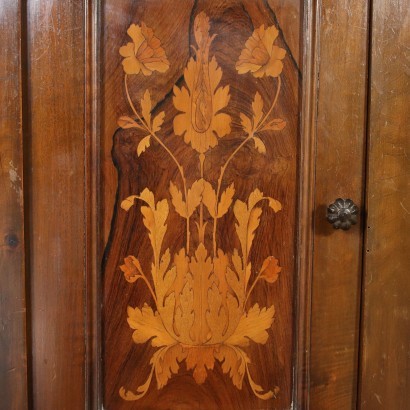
13	353
386	287
57	146
93	210
306	203
340	129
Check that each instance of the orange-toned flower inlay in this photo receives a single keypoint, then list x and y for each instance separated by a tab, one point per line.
260	56
201	122
201	310
144	53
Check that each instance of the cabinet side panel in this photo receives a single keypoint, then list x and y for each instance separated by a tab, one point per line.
13	354
386	286
56	58
341	107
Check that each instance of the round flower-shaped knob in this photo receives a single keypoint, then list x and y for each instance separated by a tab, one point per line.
342	214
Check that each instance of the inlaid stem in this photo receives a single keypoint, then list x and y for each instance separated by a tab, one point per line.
179	166
242	144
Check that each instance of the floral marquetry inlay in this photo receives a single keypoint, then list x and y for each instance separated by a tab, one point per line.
200	293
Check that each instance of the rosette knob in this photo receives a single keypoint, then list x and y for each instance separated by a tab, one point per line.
342	214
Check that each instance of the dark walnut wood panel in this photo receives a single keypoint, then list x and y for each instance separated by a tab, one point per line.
13	353
192	348
56	147
386	287
341	98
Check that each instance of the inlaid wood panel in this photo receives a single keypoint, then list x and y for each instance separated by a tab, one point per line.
200	111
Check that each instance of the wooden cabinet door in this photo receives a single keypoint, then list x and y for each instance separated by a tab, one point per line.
169	247
207	270
199	270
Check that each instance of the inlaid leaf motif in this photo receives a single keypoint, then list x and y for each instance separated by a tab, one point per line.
275	204
253	223
164	280
248	219
257	107
195	196
237	263
216	316
158	121
232	364
154	221
221	264
181	263
246	123
147	196
166	362
177	201
154	218
235	307
127	203
141	390
254	197
184	299
166	310
236	283
226	200
200	267
127	122
200	360
259	145
148	326
184	315
146	107
275	125
143	144
209	198
258	390
201	292
252	326
164	264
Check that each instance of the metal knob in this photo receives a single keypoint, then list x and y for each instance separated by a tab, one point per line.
342	214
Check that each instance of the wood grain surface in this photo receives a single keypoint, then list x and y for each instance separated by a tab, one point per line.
13	352
64	236
126	363
342	70
290	14
384	378
56	147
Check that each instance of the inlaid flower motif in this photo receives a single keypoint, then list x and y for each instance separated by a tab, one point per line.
144	53
199	310
201	122
260	56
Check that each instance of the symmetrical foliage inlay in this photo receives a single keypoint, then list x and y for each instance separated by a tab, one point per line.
201	292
